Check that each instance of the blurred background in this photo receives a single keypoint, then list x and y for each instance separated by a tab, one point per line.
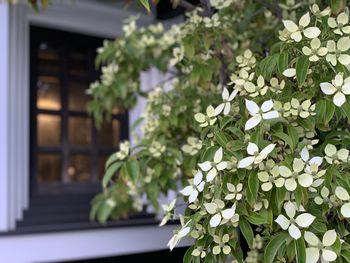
52	155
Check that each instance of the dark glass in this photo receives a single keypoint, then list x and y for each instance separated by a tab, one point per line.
49	168
79	131
109	134
48	60
49	97
48	130
78	64
77	99
79	169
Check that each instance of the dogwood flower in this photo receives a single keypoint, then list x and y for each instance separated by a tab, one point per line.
247	61
277	86
259	114
242	80
221	245
303	109
335	156
343	195
337	52
297	30
179	235
235	191
271	179
193	146
305	156
199	251
206	120
225	106
255	156
319	249
318	13
259	89
324	197
216	209
167	212
340	24
123	152
315	50
303	220
156	149
215	166
295	176
195	188
339	87
289	72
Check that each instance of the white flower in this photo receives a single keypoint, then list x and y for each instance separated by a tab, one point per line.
339	24
316	247
247	61
216	209
295	108
195	188
124	149
303	220
338	51
318	13
156	149
243	80
343	195
179	235
325	198
215	166
305	156
225	106
309	32
271	179
258	114
178	54
208	119
289	72
222	244
315	51
256	156
277	86
303	179
259	89
167	211
335	156
339	87
235	192
193	146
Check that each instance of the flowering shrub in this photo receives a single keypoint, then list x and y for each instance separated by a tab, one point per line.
265	149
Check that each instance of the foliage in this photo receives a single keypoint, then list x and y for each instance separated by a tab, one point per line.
264	149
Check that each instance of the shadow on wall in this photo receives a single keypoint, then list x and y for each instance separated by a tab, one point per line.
174	256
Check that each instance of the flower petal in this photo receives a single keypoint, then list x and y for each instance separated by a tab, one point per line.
341	193
244	163
215	220
205	166
271	115
328	255
267	150
329	238
252	107
345	210
289	72
284	171
221	166
304	220
282	221
344	59
312	255
289	207
290	25
228	213
305	20
290	184
305	180
311	238
193	196
252	148
267	105
211	175
294	232
198	178
312	32
327	88
218	155
252	122
187	190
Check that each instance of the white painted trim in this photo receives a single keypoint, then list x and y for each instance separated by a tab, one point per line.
79	245
4	84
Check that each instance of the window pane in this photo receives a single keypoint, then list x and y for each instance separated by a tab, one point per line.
79	169
49	168
78	64
49	130
77	99
48	93
48	60
109	134
79	130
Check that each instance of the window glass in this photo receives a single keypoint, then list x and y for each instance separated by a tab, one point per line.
79	169
79	131
49	97
49	168
77	98
48	130
109	134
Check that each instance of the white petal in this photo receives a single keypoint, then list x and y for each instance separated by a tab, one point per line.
304	220
244	163
345	210
205	166
198	178
290	25
330	149
344	59
305	180
343	154
227	108
329	255
305	154
282	221
271	115
215	220
294	232
327	88
199	117
187	190
252	107
252	122
312	255
228	213
289	207
184	232
219	108
305	20
267	150
312	32
290	184
193	196
339	99
252	148
221	166
289	72
343	44
211	207
263	176
225	94
296	36
346	88
233	95
284	171
266	186
329	238
316	160
298	165
200	187
341	193
211	175
311	238
267	105
218	155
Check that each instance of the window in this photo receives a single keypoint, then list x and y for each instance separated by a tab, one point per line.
67	151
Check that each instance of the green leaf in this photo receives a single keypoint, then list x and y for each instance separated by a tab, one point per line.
346	255
253	187
346	109
188	255
146	4
273	246
260	218
286	138
302	67
247	231
293	134
282	62
133	169
111	170
300	250
104	212
237	254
